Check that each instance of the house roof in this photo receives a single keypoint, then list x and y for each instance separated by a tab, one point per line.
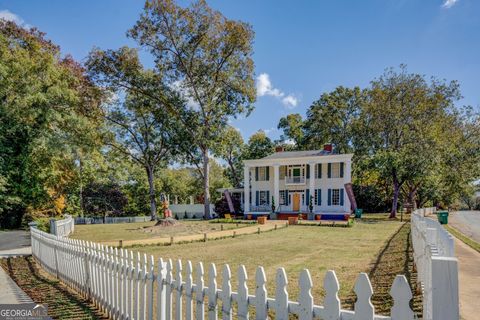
298	154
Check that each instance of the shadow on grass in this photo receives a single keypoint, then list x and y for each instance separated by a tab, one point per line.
393	259
61	302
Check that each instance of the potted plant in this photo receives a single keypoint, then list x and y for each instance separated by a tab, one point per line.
310	204
273	204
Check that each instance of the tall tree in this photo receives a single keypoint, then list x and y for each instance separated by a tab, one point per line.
207	57
259	146
332	119
142	127
230	148
292	126
402	121
48	110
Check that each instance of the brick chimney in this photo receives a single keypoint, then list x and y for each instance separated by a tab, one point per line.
328	147
279	149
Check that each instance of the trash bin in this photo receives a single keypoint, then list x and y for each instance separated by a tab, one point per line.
442	217
358	213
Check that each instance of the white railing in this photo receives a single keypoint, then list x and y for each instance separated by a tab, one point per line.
437	269
295	180
124	285
62	227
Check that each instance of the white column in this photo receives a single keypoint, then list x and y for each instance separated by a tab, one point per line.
276	188
347	178
246	189
311	185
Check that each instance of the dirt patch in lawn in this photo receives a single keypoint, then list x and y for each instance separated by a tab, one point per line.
62	302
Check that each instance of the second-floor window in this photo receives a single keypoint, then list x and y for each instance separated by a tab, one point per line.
262	173
335	170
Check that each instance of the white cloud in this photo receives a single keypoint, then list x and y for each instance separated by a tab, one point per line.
9	16
449	3
265	88
290	101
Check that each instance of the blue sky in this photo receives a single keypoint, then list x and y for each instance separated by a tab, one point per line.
302	48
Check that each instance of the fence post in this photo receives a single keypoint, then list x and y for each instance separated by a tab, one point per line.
53	229
444	288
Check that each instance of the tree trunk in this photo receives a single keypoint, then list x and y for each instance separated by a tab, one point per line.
206	184
412	198
396	193
151	187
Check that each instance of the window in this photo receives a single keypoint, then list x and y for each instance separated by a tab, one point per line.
282	198
262	173
335	197
336	170
318	197
263	201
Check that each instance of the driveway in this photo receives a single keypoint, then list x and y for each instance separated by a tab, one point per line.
14	243
467	222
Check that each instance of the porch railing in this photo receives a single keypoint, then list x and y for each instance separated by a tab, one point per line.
295	180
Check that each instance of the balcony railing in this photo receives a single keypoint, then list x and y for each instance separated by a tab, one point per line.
295	180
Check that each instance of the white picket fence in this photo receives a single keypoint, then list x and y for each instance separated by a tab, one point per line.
62	227
437	267
124	284
108	220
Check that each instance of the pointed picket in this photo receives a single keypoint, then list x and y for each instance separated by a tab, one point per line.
305	298
331	301
199	293
281	295
178	288
168	291
131	285
260	295
363	307
161	290
401	294
242	296
189	292
226	294
212	293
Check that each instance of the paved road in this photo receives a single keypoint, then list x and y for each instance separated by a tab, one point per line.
467	222
14	243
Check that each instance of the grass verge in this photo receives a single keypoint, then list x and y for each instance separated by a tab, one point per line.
471	243
62	302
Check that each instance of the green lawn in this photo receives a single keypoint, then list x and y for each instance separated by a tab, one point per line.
348	251
140	230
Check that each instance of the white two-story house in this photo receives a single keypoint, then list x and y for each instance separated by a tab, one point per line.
291	178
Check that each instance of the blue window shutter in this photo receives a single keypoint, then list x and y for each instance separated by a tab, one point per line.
268	173
341	169
329	170
319	197
257	198
319	172
268	197
286	198
308	171
329	200
256	173
307	200
341	197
